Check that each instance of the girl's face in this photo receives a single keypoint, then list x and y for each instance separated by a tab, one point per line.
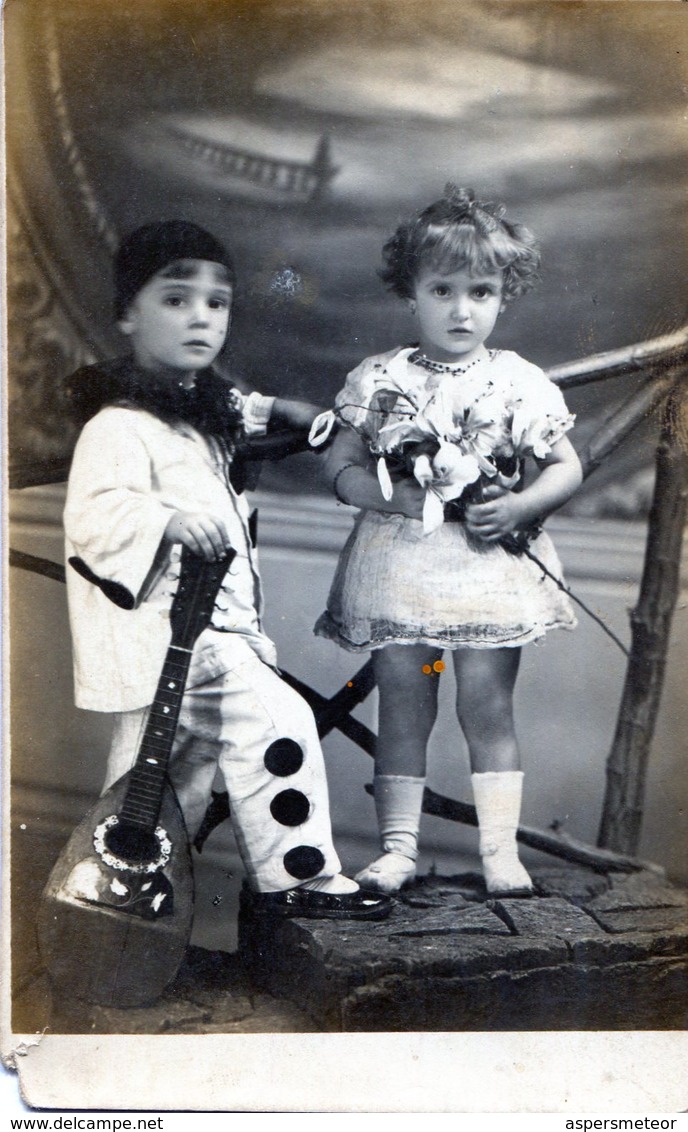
456	313
178	320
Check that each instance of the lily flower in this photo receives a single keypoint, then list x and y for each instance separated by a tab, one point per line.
384	479
528	435
445	477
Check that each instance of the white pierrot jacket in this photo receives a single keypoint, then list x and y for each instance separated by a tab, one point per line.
130	472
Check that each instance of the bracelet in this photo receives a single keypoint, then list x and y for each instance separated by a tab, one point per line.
335	482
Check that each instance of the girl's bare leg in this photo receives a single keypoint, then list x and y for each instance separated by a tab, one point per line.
408	708
485	682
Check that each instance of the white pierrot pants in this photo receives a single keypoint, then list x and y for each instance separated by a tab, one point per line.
261	735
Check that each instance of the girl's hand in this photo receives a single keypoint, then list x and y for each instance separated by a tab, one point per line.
501	514
407	499
204	534
505	511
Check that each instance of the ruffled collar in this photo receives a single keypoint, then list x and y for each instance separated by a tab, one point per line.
209	406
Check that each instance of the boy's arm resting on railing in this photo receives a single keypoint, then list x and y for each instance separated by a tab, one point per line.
293	414
287	432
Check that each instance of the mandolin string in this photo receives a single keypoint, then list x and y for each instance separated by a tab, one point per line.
142	796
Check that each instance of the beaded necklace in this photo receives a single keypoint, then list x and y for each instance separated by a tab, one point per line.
418	359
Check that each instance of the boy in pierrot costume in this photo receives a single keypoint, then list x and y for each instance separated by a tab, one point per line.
152	472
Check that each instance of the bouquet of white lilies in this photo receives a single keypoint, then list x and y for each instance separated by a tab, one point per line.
454	439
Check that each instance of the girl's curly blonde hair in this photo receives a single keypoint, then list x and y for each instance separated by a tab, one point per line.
459	232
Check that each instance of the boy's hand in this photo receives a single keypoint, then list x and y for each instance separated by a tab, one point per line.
205	535
501	514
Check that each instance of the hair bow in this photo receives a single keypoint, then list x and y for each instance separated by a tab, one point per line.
486	216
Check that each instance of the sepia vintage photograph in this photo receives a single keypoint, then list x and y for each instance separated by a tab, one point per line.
345	591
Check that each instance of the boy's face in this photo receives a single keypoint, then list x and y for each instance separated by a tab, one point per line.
178	320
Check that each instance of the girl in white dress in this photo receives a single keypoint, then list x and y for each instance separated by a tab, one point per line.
432	451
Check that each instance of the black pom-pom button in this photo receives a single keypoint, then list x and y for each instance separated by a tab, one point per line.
290	807
304	862
283	757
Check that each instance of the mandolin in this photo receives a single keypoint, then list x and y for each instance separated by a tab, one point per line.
115	916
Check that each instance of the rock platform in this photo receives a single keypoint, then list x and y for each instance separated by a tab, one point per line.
587	952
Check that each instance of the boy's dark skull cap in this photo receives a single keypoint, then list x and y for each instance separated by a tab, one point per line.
151	248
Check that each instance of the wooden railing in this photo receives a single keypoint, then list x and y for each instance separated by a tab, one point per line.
663	363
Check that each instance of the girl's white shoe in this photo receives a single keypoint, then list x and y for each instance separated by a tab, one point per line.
504	874
388	873
497	797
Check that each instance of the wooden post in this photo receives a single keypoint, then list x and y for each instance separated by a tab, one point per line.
651	625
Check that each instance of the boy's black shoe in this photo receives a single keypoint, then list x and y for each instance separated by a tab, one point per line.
313	905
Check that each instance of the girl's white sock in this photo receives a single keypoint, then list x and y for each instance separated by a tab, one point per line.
398	804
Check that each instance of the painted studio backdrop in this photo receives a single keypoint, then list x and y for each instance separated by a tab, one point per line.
301	132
